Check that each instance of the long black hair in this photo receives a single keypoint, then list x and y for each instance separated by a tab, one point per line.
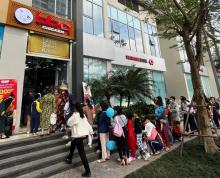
79	109
72	102
103	105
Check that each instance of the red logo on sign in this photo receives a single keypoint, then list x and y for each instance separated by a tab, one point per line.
137	59
151	62
49	22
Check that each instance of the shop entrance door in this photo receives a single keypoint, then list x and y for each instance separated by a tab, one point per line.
39	74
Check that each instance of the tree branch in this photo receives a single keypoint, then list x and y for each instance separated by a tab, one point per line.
182	11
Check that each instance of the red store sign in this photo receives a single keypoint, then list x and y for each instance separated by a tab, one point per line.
137	59
30	18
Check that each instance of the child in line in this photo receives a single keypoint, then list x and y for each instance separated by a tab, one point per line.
153	138
138	132
35	114
176	131
131	137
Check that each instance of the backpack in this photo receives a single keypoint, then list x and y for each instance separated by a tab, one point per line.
118	130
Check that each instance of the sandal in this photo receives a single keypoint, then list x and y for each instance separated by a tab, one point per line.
3	137
127	162
101	161
122	163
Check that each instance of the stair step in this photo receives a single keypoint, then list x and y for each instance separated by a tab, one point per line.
30	148
31	156
57	168
28	141
35	165
15	160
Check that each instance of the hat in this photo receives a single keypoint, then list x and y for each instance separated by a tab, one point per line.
183	98
63	86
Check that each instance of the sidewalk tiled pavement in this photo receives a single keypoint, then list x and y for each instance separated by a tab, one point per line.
112	169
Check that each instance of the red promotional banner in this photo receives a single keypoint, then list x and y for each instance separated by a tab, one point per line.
8	87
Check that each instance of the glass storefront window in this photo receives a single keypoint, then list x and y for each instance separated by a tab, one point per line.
87	8
47	5
94	68
127	28
62	8
137	24
205	85
124	36
98	20
93	10
87	25
189	85
122	17
152	40
98	2
114	13
159	86
130	21
139	42
58	7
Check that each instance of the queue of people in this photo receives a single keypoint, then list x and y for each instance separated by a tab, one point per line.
135	137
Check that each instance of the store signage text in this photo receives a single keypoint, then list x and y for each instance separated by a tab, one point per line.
30	18
137	59
48	47
24	15
52	25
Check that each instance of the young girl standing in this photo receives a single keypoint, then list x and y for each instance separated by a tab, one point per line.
131	137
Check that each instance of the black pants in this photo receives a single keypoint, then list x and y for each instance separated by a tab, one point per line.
176	136
122	146
215	118
78	142
191	122
156	145
2	125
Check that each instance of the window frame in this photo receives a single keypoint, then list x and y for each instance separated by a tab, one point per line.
93	19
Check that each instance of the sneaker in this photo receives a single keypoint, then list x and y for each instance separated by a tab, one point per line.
147	156
157	153
68	161
65	137
98	151
139	157
86	174
132	159
68	144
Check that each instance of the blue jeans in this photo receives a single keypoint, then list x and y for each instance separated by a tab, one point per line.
35	121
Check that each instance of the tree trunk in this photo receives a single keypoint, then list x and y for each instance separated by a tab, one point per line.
203	121
199	97
129	100
108	100
121	98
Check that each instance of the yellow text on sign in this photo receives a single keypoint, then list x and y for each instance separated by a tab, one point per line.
48	47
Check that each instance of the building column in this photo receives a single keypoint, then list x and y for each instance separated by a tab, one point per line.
77	50
105	19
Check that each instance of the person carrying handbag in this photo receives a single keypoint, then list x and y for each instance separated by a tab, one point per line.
119	125
80	128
